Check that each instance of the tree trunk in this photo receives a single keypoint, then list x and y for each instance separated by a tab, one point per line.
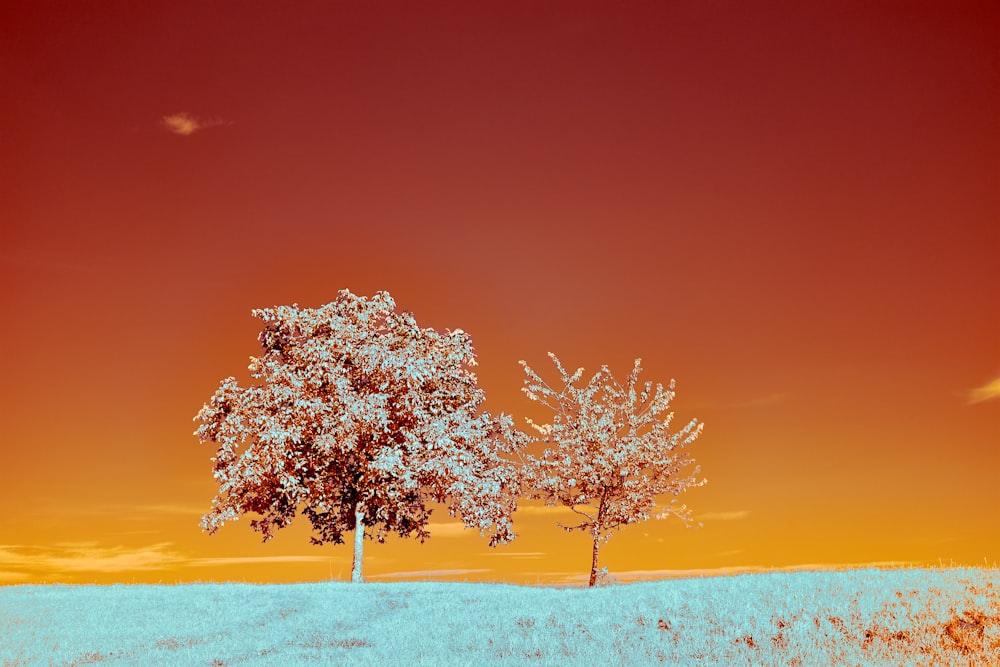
598	527
593	560
359	543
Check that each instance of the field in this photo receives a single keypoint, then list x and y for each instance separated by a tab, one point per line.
846	617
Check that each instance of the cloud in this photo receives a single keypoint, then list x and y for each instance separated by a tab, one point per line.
249	560
425	573
724	516
186	124
67	557
21	562
628	576
987	392
515	554
731	552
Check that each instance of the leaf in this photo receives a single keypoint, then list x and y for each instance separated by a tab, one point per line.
595	461
354	403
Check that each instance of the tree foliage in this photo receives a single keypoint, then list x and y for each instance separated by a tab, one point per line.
612	452
360	417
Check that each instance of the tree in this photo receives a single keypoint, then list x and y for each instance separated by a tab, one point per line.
361	417
613	452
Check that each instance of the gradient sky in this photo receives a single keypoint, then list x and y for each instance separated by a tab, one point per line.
794	211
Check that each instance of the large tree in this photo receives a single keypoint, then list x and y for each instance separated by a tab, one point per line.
613	454
360	418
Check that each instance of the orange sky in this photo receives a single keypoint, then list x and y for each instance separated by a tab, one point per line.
795	212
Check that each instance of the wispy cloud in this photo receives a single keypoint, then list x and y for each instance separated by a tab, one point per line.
581	579
515	554
735	515
20	561
253	560
424	573
186	124
66	557
987	392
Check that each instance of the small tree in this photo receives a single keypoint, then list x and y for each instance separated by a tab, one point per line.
613	454
360	419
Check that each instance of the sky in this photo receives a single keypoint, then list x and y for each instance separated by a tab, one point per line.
794	211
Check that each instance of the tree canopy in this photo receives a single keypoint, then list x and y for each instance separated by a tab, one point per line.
613	454
360	417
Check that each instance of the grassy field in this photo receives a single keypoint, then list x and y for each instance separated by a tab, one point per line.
847	617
